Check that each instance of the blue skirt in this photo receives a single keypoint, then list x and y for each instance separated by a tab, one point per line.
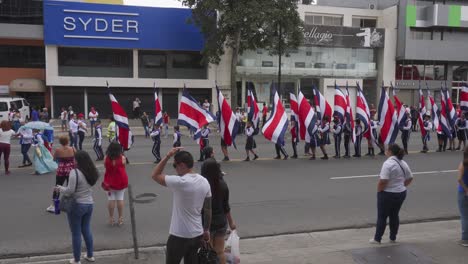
43	160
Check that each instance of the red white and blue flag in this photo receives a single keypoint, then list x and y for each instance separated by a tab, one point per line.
452	114
193	115
294	108
340	104
387	119
252	108
444	123
228	123
349	118
434	110
275	128
124	134
401	110
422	111
464	97
307	118
157	108
363	112
323	107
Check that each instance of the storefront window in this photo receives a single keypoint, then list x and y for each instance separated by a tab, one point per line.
22	56
95	62
21	12
364	22
320	19
152	64
186	65
420	71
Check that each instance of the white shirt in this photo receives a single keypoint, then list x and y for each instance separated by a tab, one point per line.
73	125
136	104
396	172
189	193
249	131
82	126
63	115
93	117
239	117
206	106
5	136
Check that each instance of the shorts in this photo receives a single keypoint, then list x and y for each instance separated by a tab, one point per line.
64	122
116	195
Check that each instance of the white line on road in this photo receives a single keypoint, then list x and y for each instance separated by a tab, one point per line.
372	176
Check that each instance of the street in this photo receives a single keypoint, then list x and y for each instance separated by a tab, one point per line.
267	196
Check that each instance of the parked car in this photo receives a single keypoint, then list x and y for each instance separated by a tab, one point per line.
16	103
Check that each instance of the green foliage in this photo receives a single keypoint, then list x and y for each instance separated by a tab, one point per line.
256	21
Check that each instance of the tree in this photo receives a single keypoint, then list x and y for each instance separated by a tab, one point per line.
245	25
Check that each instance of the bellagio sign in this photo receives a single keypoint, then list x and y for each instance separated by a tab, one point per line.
348	37
119	26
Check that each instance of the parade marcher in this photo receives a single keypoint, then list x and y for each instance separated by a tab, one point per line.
136	108
221	210
264	114
48	136
16	120
357	145
65	157
441	139
111	130
176	142
250	144
82	129
314	139
463	197
461	126
337	131
414	117
166	124
26	140
243	120
294	138
98	140
6	133
34	114
395	176
347	137
156	137
427	127
115	181
70	113
224	150
63	119
324	131
43	160
93	117
80	182
145	122
204	141
192	196
405	132
73	131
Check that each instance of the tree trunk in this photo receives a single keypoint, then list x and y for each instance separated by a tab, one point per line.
234	58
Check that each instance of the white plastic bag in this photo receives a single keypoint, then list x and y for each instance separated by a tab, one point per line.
231	248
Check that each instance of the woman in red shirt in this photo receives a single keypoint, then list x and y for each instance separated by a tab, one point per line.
115	180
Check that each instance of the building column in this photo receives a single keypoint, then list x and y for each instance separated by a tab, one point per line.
243	92
86	102
52	111
214	100
135	64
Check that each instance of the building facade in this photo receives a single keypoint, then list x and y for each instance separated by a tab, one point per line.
344	41
432	37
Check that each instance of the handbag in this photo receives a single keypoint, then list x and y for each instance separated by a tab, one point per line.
67	201
207	255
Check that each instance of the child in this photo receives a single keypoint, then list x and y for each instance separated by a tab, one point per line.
204	142
176	142
98	140
250	143
156	136
294	138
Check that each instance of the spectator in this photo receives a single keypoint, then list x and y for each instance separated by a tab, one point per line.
395	176
80	182
463	197
34	115
26	139
145	123
136	108
93	117
221	211
191	194
82	129
115	181
166	124
16	121
64	118
70	113
206	105
44	115
6	133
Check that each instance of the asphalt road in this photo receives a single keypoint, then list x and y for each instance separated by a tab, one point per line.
267	197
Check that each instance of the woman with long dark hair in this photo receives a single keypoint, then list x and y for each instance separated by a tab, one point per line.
115	180
395	176
221	211
6	133
80	182
463	197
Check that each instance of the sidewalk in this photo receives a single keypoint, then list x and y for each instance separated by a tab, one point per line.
433	242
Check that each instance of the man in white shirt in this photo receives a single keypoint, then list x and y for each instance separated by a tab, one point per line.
136	108
206	105
73	132
191	194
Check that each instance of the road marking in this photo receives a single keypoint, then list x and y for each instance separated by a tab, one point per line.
372	176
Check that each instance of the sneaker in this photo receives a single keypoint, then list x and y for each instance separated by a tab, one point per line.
392	241
324	157
373	241
285	157
89	259
226	159
51	209
255	157
72	261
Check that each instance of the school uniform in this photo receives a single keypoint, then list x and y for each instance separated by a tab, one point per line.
250	142
98	142
176	142
337	131
357	144
204	142
461	126
156	150
405	134
346	138
442	138
427	126
294	140
315	137
325	135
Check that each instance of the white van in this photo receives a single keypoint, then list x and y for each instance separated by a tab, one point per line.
14	102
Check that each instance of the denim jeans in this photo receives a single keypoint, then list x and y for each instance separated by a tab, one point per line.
463	206
178	248
388	206
79	220
73	139
24	150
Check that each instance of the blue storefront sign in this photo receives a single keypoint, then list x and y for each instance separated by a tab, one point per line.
119	26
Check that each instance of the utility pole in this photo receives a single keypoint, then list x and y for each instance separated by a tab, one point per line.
279	59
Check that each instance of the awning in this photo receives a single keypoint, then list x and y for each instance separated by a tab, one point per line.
27	85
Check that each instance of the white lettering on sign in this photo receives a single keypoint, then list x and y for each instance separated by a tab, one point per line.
318	36
101	24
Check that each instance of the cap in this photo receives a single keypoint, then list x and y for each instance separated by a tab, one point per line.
80	115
